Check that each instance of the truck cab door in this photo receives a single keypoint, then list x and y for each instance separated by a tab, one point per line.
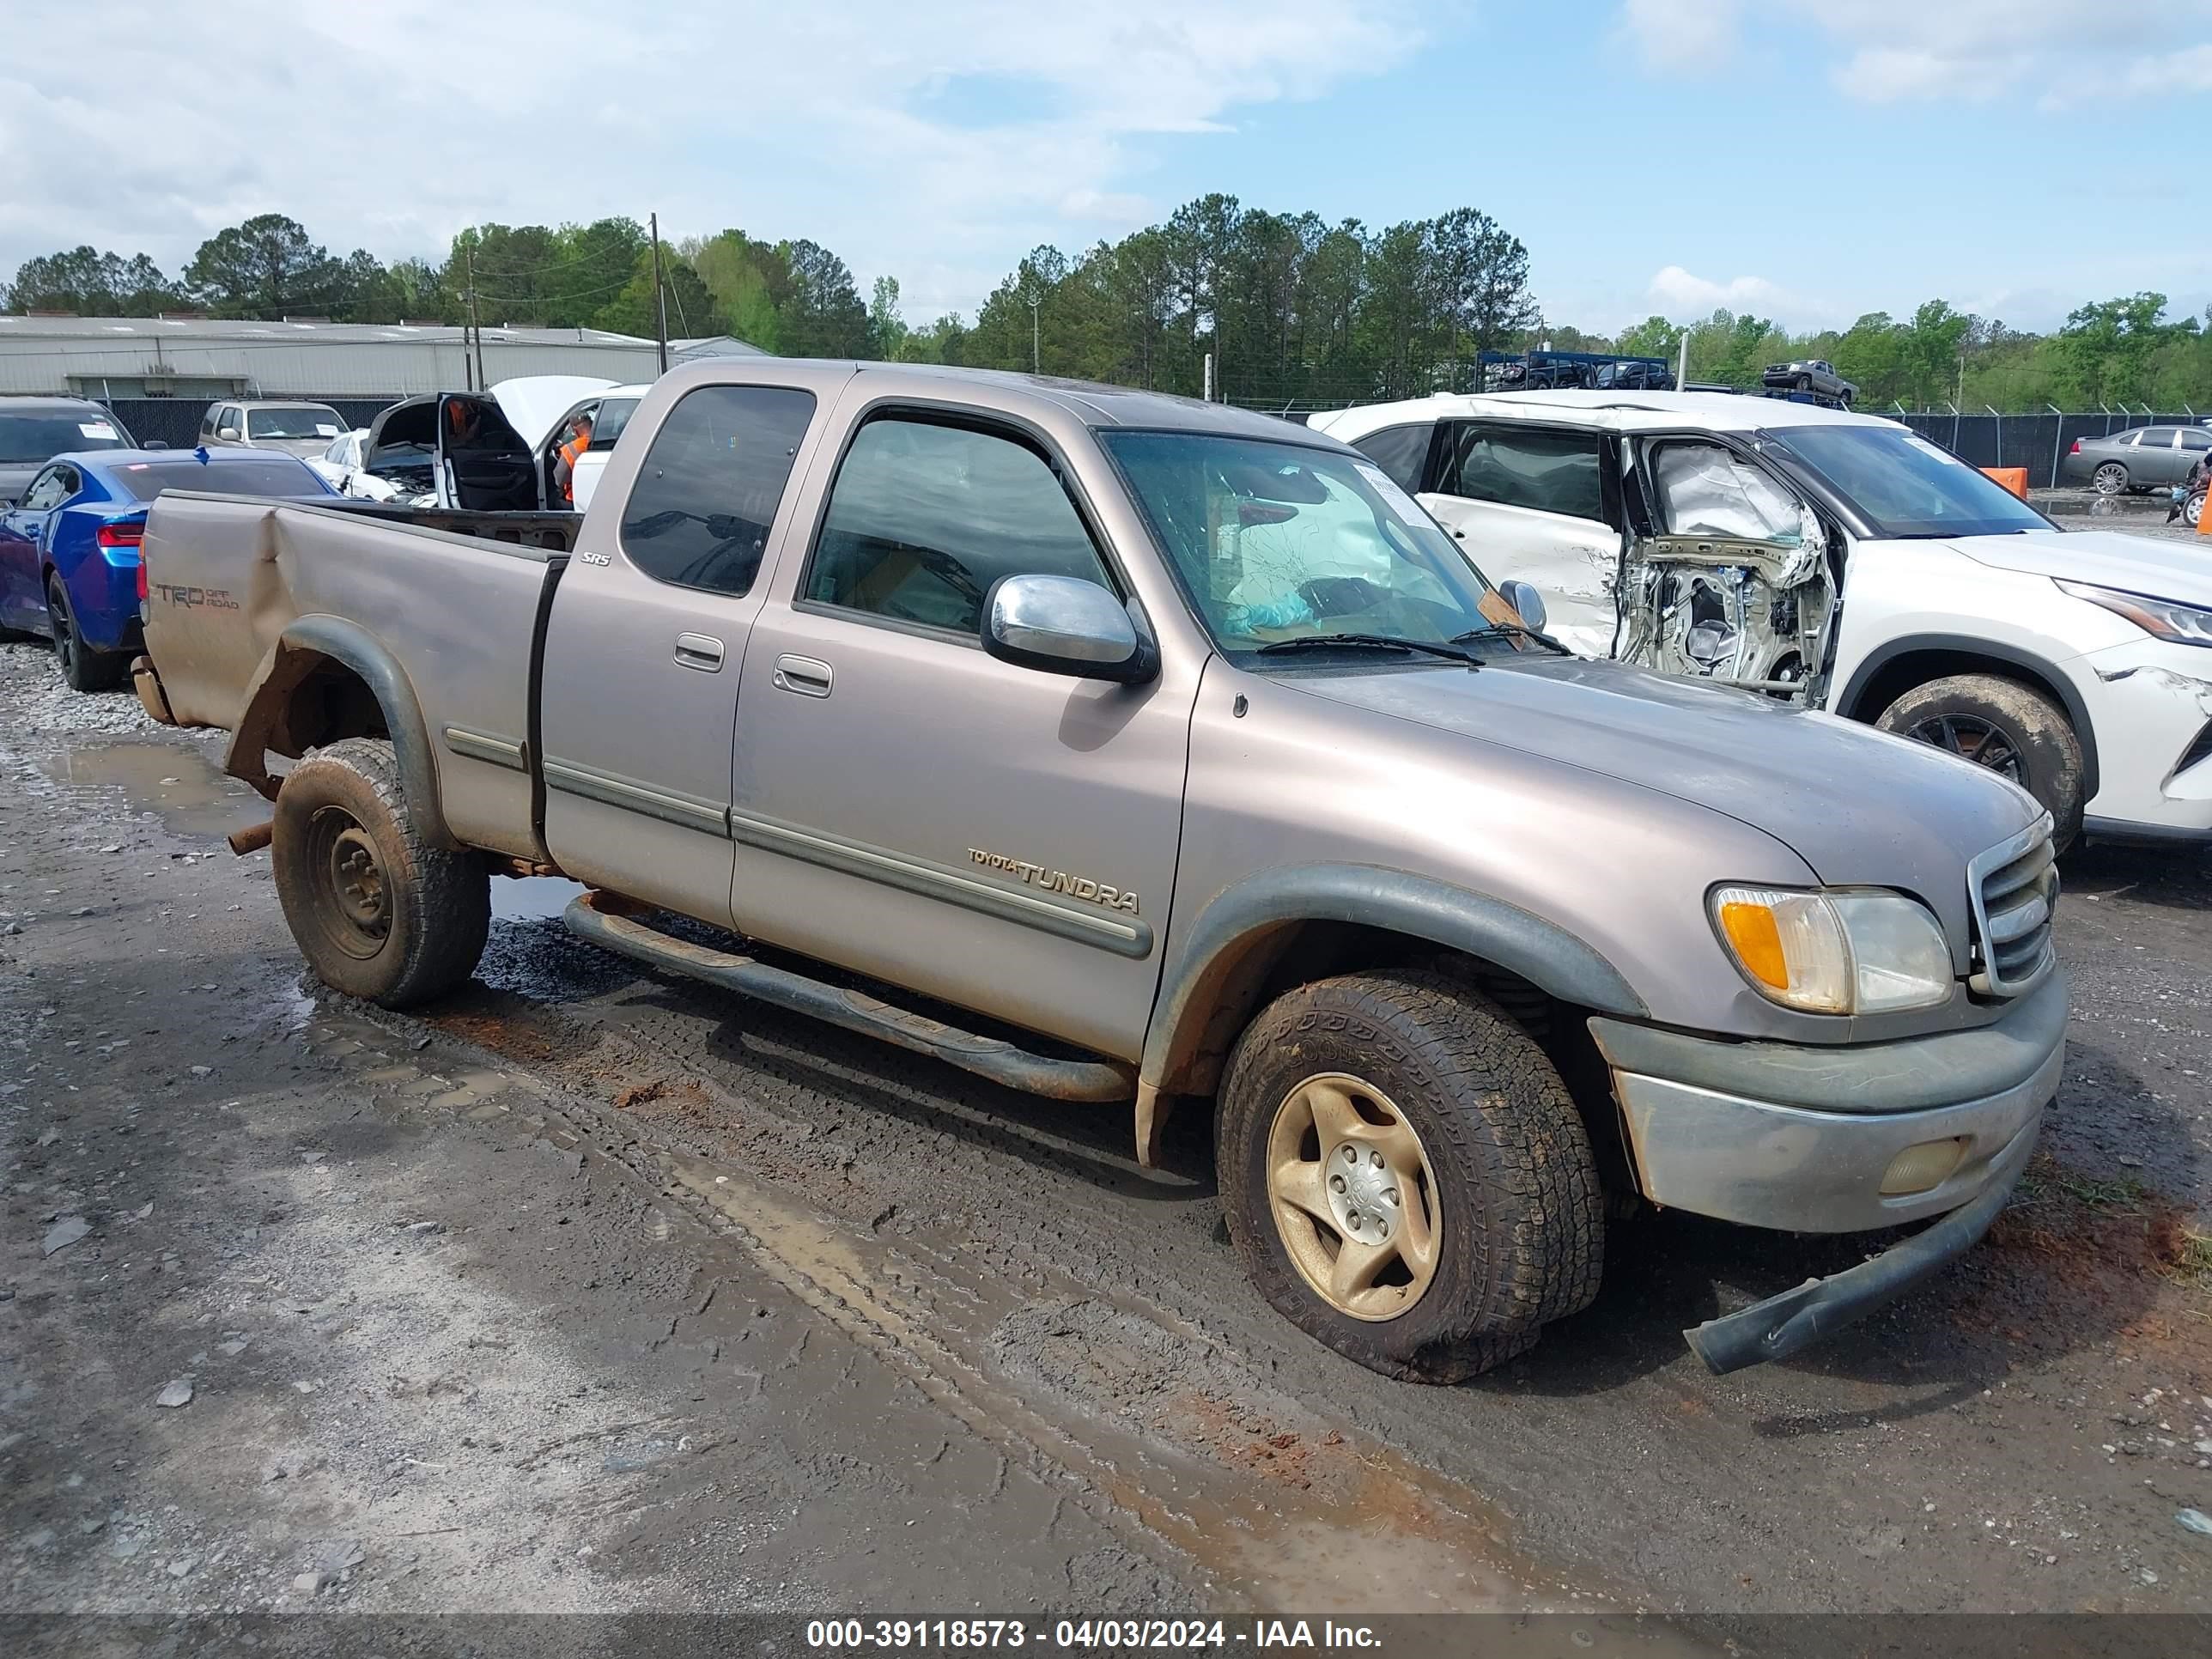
1541	503
908	806
647	637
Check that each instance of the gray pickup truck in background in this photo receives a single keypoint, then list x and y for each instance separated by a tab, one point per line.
1123	748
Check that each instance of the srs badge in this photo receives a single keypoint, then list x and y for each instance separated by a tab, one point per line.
1057	881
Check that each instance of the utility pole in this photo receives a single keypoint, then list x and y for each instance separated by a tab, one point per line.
1682	373
476	328
660	293
1036	349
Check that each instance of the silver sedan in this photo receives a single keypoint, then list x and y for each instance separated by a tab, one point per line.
2141	457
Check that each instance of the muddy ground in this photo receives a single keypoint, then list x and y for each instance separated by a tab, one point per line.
598	1289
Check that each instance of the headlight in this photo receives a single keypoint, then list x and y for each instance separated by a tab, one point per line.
1835	953
2181	624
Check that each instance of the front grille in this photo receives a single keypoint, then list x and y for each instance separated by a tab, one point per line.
2014	890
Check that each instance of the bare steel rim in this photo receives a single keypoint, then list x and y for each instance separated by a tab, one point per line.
1353	1196
353	903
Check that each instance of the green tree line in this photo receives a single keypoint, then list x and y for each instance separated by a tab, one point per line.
1294	310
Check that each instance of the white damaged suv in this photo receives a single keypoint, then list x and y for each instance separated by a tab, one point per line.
1841	560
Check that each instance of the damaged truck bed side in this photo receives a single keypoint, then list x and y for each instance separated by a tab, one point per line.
1132	751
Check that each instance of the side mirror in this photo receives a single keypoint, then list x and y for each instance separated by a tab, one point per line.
1527	603
157	443
228	433
1064	625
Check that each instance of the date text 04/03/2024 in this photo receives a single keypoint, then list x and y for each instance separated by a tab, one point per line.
1080	1635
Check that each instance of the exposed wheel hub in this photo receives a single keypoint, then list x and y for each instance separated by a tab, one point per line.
356	880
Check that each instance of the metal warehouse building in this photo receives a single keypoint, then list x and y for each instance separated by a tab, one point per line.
194	359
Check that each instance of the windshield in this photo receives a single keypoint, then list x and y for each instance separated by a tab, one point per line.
1904	487
272	476
308	420
30	439
1275	541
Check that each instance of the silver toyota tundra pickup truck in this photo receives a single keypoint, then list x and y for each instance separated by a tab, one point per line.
1125	749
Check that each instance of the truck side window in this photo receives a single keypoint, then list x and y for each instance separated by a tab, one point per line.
1401	451
699	514
923	518
1547	472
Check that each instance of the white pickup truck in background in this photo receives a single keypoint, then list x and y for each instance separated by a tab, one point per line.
1841	559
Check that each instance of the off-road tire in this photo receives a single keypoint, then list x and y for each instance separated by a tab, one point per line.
1521	1213
2111	478
2038	730
82	668
436	904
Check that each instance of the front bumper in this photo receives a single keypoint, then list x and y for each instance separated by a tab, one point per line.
1802	1139
2151	703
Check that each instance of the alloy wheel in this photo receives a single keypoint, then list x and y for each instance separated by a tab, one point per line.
1354	1197
1971	737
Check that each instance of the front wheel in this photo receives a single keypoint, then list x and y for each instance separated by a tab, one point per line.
2016	733
1405	1176
377	912
84	668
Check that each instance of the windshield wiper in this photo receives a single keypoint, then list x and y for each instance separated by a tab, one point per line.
1511	630
1376	642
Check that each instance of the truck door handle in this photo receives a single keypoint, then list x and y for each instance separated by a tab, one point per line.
699	651
804	675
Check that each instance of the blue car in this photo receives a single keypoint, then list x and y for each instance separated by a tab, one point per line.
69	548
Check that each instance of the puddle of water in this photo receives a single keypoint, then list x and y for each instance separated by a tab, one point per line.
530	898
179	785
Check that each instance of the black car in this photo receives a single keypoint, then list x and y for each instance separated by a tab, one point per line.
34	430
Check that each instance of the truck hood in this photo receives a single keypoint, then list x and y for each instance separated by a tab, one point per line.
1858	805
2160	568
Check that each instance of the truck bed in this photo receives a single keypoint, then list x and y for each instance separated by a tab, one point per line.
241	589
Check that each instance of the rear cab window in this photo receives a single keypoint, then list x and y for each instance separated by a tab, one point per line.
707	493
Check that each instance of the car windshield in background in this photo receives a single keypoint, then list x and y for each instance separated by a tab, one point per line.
27	439
1276	541
313	421
1904	487
146	479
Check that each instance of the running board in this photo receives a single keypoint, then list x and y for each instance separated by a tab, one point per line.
592	916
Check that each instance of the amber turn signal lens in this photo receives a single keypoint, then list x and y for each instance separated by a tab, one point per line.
1750	928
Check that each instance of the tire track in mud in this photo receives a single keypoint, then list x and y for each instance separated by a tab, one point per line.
1093	1380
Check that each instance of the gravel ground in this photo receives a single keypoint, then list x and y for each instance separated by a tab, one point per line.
601	1291
2137	515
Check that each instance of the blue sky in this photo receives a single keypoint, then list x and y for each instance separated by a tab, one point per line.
1808	160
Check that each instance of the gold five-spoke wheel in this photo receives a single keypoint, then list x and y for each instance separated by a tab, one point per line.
1353	1196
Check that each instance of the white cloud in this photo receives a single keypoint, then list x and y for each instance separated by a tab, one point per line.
1683	296
393	126
1889	51
1677	33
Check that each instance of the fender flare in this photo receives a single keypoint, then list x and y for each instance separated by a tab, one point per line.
1192	1015
303	645
1965	645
